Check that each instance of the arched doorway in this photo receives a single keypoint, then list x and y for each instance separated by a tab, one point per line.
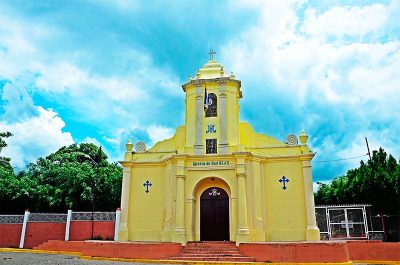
214	215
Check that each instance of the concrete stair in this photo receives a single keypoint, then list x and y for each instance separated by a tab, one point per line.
58	245
211	251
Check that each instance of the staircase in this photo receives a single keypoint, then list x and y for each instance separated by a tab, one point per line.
211	251
59	245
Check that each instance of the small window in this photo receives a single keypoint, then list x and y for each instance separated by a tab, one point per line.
211	146
211	111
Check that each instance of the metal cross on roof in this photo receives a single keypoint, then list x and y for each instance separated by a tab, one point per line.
211	53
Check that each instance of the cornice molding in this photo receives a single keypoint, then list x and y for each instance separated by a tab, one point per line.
234	156
218	80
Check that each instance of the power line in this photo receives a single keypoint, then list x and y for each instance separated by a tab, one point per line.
340	159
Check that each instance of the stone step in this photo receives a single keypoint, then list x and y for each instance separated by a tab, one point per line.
222	244
211	254
211	251
212	247
196	258
58	245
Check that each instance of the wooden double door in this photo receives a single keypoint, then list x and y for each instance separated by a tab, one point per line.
214	215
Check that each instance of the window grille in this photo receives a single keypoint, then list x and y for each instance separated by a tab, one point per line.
211	146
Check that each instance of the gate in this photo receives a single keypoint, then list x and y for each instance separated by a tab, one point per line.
345	223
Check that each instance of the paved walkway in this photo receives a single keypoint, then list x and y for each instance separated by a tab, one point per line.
24	258
10	258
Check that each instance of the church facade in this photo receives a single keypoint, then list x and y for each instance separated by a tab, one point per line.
216	178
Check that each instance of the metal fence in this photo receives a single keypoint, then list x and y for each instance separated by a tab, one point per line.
58	217
348	222
11	219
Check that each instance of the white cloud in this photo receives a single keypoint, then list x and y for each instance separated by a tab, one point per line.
158	133
312	75
116	103
78	83
317	184
18	45
36	131
18	101
345	20
274	48
340	92
91	140
383	76
35	137
89	92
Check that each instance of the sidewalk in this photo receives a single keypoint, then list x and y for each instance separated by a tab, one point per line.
23	258
26	258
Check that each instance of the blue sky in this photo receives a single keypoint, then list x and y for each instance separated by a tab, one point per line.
105	71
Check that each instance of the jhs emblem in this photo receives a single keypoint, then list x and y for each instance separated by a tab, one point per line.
211	129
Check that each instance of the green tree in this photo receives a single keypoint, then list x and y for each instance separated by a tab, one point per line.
375	182
73	177
5	165
8	181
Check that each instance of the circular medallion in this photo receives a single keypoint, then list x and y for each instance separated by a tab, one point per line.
140	147
291	139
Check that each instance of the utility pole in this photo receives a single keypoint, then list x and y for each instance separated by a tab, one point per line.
94	182
369	153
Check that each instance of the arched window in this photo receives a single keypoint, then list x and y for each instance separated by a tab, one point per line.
212	109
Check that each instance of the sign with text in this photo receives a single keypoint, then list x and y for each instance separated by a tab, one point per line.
211	163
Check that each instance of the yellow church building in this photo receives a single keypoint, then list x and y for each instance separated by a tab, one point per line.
217	179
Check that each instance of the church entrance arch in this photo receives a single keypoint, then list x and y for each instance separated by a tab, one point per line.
214	215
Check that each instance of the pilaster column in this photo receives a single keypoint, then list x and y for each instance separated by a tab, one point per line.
242	232
312	231
126	182
198	146
179	234
180	202
189	218
168	200
223	145
242	203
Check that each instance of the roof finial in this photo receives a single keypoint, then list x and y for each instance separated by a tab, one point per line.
211	53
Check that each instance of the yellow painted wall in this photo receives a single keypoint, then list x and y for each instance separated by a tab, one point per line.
259	209
147	208
286	208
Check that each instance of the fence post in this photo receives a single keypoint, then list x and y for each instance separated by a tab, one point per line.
22	240
68	224
117	220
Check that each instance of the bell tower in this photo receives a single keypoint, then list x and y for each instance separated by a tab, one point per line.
212	110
